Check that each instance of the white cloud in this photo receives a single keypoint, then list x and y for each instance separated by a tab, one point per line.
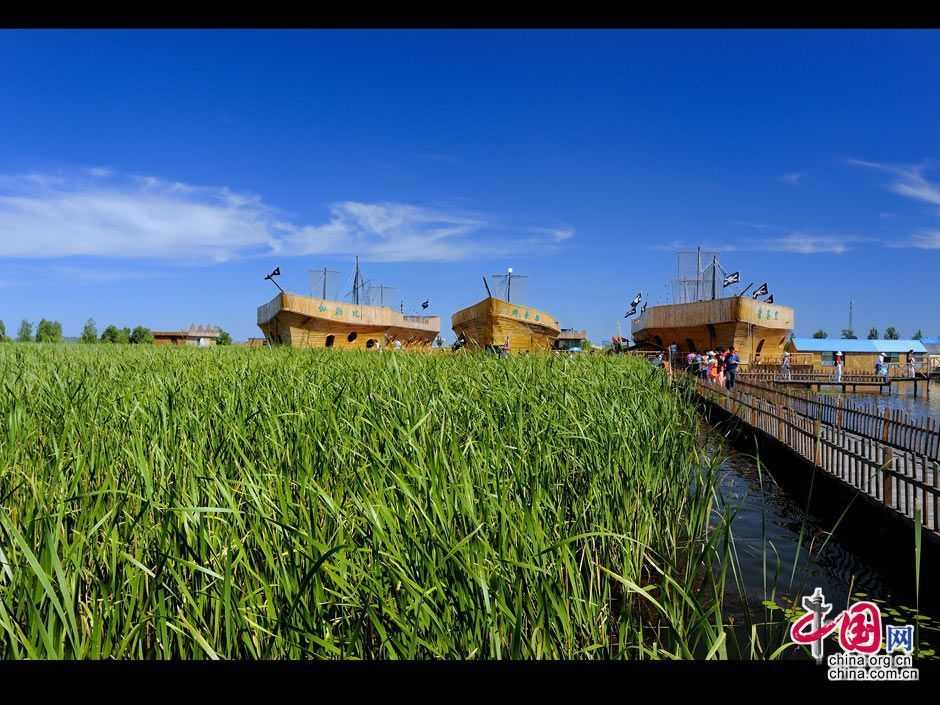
110	215
795	242
756	226
910	181
792	178
924	240
555	234
808	244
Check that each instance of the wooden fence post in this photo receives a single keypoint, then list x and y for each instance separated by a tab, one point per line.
887	496
817	459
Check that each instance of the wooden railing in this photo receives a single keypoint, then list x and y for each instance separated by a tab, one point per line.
900	480
892	427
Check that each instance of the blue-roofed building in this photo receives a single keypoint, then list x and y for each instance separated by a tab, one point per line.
861	355
932	345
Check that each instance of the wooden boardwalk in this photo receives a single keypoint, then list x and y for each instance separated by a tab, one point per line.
892	462
846	383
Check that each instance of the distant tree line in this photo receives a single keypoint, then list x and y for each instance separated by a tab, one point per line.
891	333
51	332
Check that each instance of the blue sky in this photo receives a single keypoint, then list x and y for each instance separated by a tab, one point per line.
154	177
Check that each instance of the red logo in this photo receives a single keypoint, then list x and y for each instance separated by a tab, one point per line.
859	626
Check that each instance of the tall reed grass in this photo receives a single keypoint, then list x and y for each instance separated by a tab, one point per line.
235	503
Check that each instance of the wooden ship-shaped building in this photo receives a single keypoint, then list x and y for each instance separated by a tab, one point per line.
702	321
495	322
318	322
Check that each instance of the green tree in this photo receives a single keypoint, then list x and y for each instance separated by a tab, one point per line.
820	334
891	333
124	336
109	335
26	332
873	334
224	338
849	334
89	332
141	335
918	335
3	332
48	331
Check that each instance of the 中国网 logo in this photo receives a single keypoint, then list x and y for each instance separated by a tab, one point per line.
860	636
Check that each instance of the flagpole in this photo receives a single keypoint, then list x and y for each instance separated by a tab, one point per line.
714	277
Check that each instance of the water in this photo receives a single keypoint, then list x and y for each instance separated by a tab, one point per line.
902	397
766	527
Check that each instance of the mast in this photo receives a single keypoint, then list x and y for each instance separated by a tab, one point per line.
356	283
509	285
698	276
324	282
714	277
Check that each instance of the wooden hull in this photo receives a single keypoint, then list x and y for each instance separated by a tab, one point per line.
492	321
757	330
302	321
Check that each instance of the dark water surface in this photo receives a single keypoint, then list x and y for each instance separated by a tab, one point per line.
766	527
901	398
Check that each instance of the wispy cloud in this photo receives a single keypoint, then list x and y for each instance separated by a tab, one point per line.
793	177
555	234
756	226
106	214
910	181
809	244
796	242
924	240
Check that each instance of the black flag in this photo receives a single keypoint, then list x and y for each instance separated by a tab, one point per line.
630	312
275	273
770	299
643	310
732	278
760	291
426	304
636	300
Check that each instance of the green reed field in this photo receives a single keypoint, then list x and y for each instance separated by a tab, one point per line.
239	503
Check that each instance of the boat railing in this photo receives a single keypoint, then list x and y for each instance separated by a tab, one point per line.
418	319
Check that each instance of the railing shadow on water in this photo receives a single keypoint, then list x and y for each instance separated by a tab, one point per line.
803	436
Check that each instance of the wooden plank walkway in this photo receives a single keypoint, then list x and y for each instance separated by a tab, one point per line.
901	480
828	379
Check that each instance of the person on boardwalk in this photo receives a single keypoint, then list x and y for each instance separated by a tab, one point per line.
838	362
720	362
911	367
881	366
731	367
785	367
712	368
